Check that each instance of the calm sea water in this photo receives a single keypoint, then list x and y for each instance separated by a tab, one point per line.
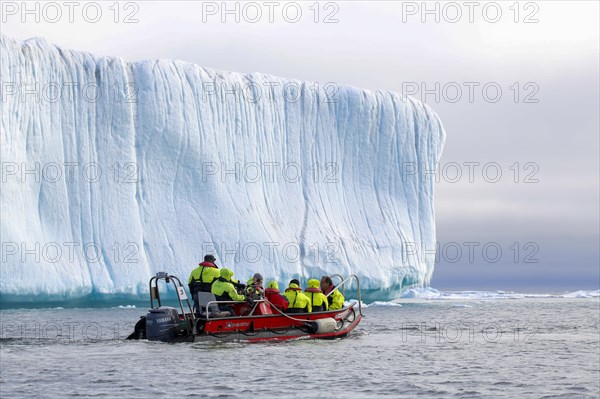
510	348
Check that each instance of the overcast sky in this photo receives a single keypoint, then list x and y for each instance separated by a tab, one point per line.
541	133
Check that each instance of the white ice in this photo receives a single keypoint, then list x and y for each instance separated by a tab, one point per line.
163	134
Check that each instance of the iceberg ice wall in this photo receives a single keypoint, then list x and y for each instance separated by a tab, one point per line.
114	170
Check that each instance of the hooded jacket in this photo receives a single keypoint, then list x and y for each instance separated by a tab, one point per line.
317	299
272	294
297	299
223	288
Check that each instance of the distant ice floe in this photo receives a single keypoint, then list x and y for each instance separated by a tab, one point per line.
582	294
380	303
375	303
433	294
428	293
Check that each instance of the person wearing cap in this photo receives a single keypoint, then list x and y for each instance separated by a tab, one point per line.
255	285
298	302
272	295
203	276
334	297
224	290
317	299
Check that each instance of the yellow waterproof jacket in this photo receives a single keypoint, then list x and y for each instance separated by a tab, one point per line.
204	274
224	290
336	300
296	298
316	296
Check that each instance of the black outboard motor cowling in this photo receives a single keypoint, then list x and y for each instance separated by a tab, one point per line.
162	324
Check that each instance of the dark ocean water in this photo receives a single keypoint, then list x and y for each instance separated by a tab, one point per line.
498	348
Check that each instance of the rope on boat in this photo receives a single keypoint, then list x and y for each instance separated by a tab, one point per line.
216	335
278	333
249	334
307	322
306	326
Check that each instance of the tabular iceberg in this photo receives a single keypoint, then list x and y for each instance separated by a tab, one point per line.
114	170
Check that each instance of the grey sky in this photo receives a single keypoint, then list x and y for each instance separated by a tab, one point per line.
552	131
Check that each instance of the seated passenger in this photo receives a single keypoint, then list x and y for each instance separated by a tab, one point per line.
272	295
298	302
203	276
224	290
255	289
314	293
336	299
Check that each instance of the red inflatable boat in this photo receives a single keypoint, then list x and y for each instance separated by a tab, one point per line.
252	320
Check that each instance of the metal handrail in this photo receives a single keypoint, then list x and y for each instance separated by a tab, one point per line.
217	302
175	280
357	287
341	279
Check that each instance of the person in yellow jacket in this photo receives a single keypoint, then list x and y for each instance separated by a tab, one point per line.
334	297
203	276
299	303
317	299
224	290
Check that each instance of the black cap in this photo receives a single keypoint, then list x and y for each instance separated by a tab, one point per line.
295	281
210	258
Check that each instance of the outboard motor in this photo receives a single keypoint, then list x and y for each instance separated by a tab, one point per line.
162	324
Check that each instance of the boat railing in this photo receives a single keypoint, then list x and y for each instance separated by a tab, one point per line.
181	296
226	303
342	286
341	279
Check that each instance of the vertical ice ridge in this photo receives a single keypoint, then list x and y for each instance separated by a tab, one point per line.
174	211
